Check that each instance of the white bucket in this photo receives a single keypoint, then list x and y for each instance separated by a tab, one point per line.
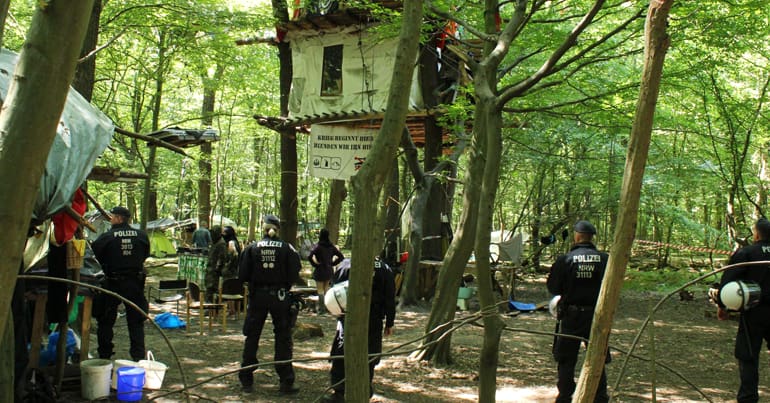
154	372
95	378
120	364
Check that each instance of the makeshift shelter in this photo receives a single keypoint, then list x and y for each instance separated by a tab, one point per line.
342	69
83	134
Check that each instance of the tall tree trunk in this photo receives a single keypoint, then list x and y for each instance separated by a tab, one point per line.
436	346
28	120
210	85
493	325
392	217
656	45
149	203
86	72
252	231
431	220
337	195
366	186
764	177
4	5
288	201
204	184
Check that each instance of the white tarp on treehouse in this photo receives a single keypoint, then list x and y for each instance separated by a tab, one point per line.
343	72
337	152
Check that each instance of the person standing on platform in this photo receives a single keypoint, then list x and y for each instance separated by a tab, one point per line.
270	267
121	251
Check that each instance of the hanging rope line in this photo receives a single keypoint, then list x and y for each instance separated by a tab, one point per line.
685	247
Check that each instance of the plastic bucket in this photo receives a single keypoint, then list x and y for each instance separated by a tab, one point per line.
95	378
130	383
154	371
117	364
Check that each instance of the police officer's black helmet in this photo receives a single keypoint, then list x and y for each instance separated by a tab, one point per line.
585	227
121	211
272	220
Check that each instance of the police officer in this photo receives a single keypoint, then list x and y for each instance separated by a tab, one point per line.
577	278
218	259
383	308
269	266
121	251
754	323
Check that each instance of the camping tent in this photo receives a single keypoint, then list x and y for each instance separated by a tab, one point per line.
160	244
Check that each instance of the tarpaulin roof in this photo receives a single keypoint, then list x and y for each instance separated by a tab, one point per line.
82	135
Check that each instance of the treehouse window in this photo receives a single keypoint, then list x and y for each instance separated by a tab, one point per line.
331	76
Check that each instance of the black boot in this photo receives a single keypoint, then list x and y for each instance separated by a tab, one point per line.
288	388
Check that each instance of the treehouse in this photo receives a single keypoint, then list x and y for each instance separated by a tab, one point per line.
342	68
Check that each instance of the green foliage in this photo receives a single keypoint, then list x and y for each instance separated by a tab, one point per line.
662	280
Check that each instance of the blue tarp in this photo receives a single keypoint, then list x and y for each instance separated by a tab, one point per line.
521	306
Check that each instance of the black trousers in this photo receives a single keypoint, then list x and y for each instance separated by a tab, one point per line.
262	302
565	352
105	311
753	328
337	372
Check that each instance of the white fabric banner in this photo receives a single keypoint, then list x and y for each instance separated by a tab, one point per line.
337	152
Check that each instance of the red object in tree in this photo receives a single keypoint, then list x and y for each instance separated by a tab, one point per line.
64	226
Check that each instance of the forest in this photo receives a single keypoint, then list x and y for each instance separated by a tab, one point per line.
648	119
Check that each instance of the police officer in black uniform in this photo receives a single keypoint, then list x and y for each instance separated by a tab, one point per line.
270	267
382	308
577	278
121	251
754	323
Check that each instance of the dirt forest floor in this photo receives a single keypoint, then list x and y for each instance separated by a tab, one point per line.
694	350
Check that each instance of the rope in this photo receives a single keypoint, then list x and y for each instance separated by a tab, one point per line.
685	247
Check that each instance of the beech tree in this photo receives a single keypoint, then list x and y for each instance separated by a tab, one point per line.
28	120
656	45
366	188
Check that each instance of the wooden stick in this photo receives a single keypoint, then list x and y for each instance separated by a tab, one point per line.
96	204
79	218
153	140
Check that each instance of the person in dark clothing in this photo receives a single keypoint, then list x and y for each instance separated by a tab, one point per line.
121	251
324	257
201	238
754	324
233	252
383	308
218	260
270	267
577	278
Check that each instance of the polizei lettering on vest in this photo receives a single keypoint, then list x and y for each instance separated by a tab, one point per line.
126	233
586	258
269	244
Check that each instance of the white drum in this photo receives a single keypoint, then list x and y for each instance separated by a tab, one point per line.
740	295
